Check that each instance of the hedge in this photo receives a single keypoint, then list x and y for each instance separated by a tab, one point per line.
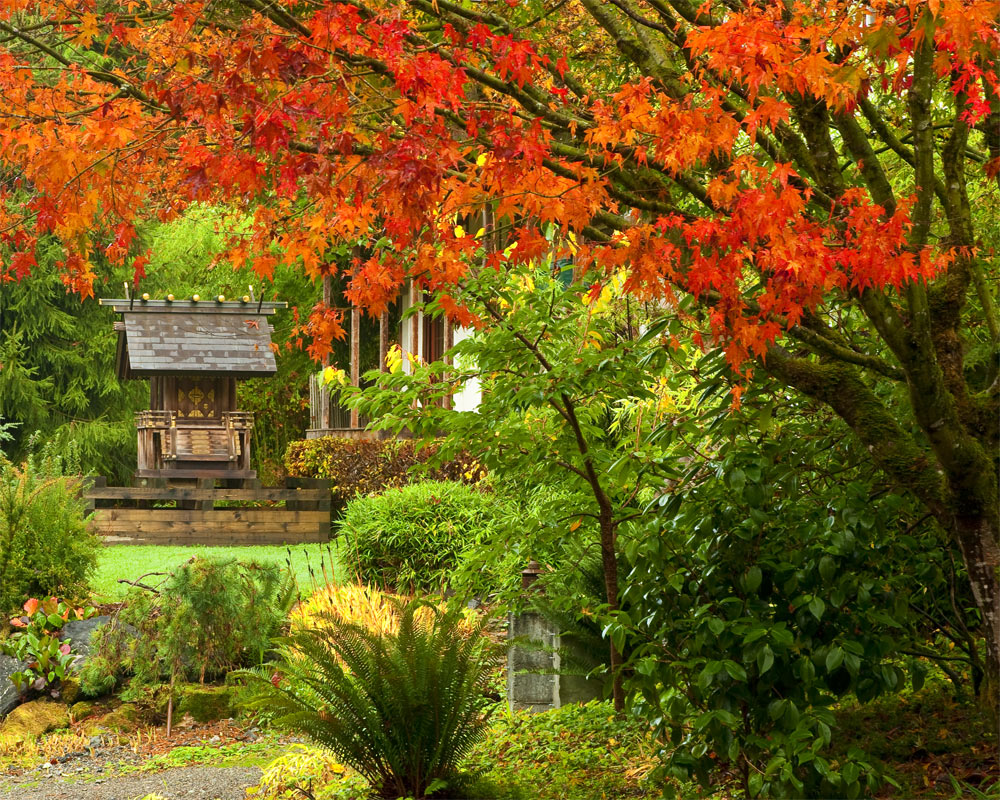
363	467
418	538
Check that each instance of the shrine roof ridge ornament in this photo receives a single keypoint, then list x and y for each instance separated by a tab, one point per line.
204	306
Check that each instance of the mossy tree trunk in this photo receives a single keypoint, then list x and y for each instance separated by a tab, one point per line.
944	447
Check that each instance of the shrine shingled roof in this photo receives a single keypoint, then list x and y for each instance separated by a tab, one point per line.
208	337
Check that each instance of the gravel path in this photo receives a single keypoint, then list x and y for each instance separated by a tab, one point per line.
180	783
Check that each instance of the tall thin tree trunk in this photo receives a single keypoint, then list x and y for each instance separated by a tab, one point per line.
609	562
977	538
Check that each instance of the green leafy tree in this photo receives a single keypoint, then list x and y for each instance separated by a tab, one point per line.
556	375
745	555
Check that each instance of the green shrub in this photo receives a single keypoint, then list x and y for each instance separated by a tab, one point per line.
402	709
209	616
416	536
46	545
363	467
36	642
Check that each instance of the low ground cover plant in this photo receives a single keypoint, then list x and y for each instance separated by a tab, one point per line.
203	619
400	708
46	545
307	772
414	538
577	752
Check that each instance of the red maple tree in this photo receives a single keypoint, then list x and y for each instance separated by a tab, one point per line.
819	175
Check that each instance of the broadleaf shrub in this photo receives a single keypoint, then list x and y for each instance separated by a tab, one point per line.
37	642
47	547
363	467
415	537
753	638
209	616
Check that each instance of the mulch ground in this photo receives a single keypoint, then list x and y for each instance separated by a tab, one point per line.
123	767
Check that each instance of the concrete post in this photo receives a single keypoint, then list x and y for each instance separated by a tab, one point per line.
534	682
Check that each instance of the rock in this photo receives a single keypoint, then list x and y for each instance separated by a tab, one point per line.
204	703
33	719
124	718
9	698
69	690
79	632
81	710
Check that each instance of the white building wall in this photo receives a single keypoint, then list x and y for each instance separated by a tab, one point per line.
465	400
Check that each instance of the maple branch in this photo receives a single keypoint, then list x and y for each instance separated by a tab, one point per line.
822	341
636	17
99	75
638	47
838	386
861	152
274	12
921	90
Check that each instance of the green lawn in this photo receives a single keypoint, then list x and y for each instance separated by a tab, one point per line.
131	561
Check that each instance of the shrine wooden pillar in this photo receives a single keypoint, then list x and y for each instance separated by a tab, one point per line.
355	357
449	342
383	341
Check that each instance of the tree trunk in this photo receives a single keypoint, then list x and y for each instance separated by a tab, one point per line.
609	562
977	538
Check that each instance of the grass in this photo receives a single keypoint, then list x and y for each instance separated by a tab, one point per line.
132	561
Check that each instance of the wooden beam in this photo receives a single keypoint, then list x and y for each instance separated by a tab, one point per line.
168	493
355	358
327	301
217	518
383	341
414	320
449	342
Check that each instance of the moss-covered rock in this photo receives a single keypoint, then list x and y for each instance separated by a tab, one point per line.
69	690
33	719
124	718
81	710
204	703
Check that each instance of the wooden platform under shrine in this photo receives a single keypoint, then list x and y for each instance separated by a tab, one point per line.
205	513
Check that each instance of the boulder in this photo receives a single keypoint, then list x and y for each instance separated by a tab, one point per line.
204	703
79	632
81	710
124	718
34	719
9	698
69	690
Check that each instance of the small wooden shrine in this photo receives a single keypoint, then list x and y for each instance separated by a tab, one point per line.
194	483
193	352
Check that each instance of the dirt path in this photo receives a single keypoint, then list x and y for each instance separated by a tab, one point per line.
179	783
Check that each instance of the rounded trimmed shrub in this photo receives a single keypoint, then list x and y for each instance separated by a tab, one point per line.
413	538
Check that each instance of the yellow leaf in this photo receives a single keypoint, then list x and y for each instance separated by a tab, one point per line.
394	359
576	524
333	375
